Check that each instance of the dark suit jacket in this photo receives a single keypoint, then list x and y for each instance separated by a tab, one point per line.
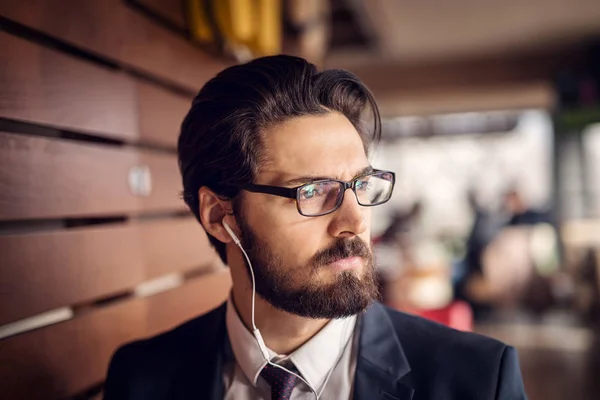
400	357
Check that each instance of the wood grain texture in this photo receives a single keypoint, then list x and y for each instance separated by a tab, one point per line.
53	178
44	86
196	297
160	114
170	10
67	358
113	30
48	270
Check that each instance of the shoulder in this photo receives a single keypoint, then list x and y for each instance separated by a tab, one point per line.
456	359
149	363
420	331
173	342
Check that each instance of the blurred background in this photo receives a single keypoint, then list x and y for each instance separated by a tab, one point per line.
491	122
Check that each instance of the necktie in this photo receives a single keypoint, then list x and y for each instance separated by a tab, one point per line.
282	382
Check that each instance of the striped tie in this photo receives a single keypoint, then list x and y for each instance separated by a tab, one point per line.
282	382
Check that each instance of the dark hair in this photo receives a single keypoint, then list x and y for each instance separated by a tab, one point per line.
220	144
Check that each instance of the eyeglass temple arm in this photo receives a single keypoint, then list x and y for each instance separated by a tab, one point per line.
276	190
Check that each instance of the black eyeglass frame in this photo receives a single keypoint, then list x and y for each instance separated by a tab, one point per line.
293	193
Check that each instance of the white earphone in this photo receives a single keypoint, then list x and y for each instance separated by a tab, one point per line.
228	229
259	339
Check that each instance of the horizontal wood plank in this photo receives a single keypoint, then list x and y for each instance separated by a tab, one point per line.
118	32
44	86
169	10
53	178
160	114
69	357
47	270
199	295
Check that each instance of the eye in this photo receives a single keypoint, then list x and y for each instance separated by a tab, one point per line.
310	191
364	184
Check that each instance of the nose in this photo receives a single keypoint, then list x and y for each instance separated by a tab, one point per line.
351	219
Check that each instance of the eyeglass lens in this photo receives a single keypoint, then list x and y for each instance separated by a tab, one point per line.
321	197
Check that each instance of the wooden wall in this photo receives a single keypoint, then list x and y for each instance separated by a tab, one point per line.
96	246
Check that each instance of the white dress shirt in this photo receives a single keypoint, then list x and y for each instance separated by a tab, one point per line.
327	362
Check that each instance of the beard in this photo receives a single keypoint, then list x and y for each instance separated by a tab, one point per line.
347	295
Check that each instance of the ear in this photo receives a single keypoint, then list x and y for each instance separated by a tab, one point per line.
212	211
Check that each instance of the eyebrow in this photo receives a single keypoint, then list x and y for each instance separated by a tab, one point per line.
311	178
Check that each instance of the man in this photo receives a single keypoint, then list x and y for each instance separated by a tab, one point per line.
273	156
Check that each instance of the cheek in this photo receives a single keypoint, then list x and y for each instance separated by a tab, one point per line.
366	235
288	234
296	245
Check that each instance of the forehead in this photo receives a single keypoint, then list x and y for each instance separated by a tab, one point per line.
325	145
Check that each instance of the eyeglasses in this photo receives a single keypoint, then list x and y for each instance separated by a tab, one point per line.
323	197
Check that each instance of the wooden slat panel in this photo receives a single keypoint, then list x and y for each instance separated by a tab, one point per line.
43	271
69	357
52	178
119	32
44	86
169	309
161	114
170	10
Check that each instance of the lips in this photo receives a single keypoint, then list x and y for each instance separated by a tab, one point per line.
348	263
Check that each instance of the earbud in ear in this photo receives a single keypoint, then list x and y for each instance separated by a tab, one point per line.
230	231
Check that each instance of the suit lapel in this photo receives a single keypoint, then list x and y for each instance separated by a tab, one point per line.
382	370
200	375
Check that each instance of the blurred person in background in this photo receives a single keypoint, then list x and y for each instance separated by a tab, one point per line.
499	265
486	226
519	213
273	155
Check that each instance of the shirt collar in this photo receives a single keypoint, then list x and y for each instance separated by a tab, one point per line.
314	359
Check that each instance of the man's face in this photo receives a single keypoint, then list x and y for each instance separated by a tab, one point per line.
317	267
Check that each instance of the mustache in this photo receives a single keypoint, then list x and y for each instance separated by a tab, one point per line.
342	248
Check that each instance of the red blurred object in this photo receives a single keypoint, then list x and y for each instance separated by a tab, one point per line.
457	315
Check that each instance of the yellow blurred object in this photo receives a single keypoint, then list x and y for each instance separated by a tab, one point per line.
242	21
198	22
269	34
237	26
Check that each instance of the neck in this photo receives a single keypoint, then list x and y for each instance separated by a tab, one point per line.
282	332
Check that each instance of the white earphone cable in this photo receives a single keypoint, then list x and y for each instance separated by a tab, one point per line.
255	331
